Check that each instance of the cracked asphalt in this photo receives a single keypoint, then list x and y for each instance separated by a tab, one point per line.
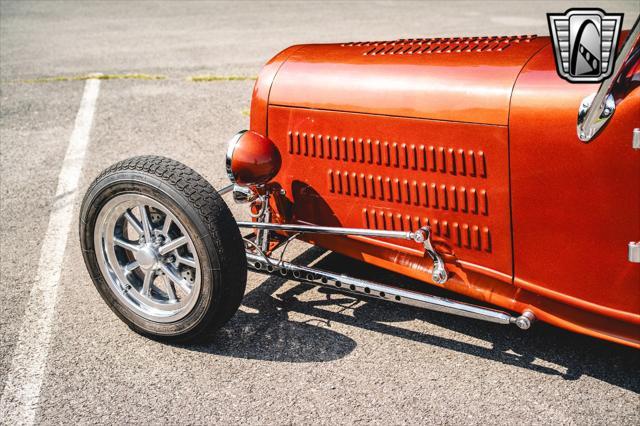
292	354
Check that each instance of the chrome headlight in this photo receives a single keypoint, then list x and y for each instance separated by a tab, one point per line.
252	159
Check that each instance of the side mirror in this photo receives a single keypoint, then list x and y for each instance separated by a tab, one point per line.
597	108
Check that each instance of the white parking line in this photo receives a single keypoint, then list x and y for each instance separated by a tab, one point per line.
20	397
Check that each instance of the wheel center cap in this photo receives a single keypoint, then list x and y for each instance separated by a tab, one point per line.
147	257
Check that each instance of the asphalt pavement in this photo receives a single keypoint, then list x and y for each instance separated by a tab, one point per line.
292	354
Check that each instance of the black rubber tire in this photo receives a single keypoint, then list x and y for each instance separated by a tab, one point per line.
210	225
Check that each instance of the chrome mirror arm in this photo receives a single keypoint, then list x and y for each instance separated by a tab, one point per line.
593	113
596	109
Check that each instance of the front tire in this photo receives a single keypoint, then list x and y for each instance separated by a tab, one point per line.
163	249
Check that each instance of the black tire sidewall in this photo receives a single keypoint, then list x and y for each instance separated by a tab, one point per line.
138	182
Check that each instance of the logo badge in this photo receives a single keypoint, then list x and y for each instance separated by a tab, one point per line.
585	41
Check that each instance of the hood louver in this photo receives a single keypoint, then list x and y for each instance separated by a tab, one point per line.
422	46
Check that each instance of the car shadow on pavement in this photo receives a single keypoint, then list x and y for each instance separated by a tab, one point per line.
271	335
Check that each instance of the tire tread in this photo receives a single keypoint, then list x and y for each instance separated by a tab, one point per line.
214	214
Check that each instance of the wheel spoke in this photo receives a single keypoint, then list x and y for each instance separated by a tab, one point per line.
188	261
128	245
166	225
137	226
174	276
146	283
130	267
148	258
171	292
146	224
173	244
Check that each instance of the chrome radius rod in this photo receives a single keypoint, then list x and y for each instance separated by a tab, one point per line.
319	277
421	236
329	230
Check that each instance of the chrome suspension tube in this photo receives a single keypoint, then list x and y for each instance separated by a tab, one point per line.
329	230
319	277
422	236
226	189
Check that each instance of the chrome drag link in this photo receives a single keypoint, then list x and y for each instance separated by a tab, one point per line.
421	236
270	266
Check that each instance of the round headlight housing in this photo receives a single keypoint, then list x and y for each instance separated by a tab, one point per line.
252	159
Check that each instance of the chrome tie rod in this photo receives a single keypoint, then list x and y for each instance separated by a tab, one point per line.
270	266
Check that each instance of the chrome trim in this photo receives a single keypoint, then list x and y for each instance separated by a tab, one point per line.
288	227
635	139
319	277
596	109
439	272
609	107
421	236
244	194
634	251
265	217
231	146
524	321
226	189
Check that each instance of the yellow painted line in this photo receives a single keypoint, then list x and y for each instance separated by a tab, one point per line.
96	77
193	78
207	78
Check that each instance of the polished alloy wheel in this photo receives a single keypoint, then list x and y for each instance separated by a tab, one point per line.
147	257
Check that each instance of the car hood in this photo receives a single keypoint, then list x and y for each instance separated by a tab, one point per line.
466	79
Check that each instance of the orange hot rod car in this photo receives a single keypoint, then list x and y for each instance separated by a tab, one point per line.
467	163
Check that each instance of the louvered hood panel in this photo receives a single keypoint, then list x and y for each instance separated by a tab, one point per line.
458	79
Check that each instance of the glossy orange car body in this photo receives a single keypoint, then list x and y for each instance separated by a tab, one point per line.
475	137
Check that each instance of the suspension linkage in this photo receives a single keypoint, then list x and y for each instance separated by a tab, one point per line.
421	236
